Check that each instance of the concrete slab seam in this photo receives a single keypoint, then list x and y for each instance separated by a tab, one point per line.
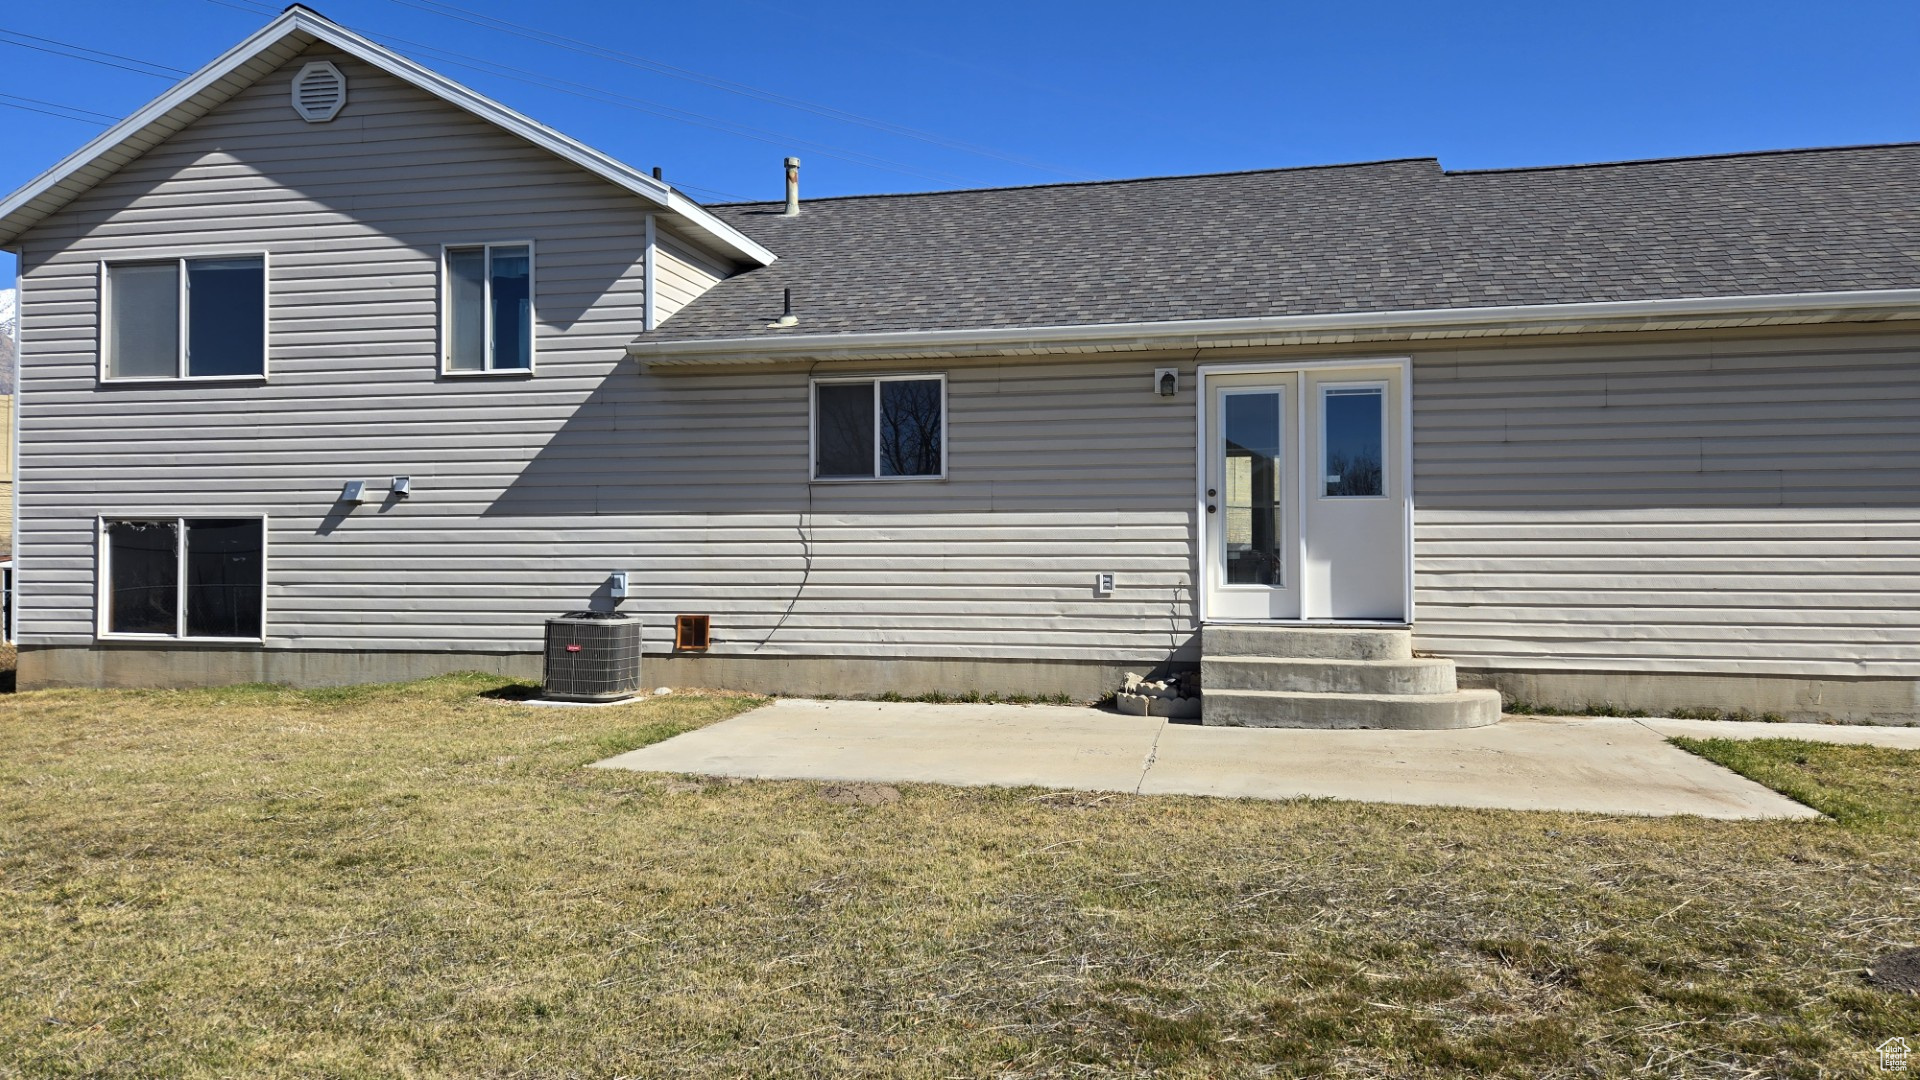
1153	755
1668	740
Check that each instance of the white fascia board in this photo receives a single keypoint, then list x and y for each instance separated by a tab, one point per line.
299	20
1678	313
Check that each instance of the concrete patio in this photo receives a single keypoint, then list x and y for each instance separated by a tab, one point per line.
1608	766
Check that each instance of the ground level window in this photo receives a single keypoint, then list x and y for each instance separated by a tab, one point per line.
886	427
490	308
217	564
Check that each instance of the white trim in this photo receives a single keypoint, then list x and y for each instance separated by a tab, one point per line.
103	361
206	88
486	306
648	268
103	573
813	427
1202	456
1678	313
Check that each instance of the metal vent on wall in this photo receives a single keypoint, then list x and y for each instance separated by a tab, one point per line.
319	92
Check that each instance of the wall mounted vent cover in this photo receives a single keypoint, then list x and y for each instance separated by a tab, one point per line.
319	92
692	633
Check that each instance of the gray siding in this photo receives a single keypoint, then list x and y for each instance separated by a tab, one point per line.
1748	506
682	272
528	491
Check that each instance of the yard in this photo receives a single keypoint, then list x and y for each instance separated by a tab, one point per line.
422	880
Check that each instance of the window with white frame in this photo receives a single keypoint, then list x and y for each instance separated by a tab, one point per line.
489	298
183	577
186	318
885	427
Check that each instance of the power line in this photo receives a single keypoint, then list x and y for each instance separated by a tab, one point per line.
56	115
165	72
584	48
668	112
107	118
685	116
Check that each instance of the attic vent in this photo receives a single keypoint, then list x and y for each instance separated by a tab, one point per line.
319	92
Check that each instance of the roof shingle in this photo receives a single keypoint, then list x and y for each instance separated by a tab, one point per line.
1385	236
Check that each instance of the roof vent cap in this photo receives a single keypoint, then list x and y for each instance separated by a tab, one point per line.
319	92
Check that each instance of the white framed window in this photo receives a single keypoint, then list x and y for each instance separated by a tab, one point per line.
1353	440
191	578
879	427
487	298
184	318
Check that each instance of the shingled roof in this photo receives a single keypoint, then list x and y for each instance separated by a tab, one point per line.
1384	236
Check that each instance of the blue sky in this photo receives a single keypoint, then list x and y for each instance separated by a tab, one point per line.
890	96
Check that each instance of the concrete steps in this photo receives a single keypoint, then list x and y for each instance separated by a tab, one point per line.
1327	677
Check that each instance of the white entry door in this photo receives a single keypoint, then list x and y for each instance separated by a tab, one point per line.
1306	500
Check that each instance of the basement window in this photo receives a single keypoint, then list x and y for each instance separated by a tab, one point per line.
489	305
217	565
186	319
889	427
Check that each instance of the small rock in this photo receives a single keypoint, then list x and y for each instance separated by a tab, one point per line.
662	691
860	794
1130	682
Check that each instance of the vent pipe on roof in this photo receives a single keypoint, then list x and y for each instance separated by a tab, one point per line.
656	173
787	317
793	188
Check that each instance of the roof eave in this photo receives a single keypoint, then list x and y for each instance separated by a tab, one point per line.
1515	320
298	28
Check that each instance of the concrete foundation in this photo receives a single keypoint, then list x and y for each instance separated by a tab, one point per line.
1859	700
42	667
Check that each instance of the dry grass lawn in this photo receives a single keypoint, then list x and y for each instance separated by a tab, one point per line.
423	881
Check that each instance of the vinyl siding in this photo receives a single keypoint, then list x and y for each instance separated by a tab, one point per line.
1742	505
528	491
682	272
1748	507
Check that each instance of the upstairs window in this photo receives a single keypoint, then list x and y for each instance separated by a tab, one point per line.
187	319
216	565
886	428
489	293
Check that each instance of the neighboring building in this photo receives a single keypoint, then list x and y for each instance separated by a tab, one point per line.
1645	432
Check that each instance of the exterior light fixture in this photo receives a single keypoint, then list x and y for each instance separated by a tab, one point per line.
1166	381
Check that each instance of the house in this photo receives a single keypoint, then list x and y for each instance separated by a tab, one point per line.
1646	433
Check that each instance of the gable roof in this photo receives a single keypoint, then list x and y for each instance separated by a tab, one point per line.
1362	244
280	41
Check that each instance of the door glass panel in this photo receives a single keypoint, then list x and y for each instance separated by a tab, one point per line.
1252	486
1353	448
